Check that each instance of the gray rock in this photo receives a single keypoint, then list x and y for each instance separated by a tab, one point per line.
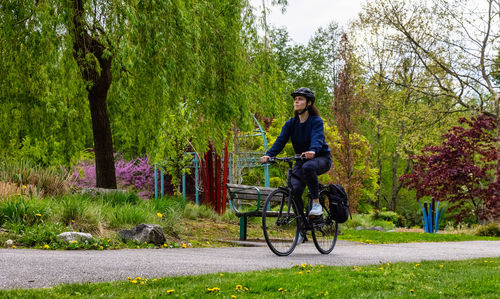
149	233
360	228
378	228
99	191
75	236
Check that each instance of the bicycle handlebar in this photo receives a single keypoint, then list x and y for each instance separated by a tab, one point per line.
286	159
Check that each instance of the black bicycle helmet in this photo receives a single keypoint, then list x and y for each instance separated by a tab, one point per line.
306	92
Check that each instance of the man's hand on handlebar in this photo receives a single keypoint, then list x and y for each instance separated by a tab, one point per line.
264	159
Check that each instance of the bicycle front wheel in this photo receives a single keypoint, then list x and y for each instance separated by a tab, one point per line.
280	223
325	229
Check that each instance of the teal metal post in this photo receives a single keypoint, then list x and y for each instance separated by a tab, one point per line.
161	180
266	166
196	178
156	182
184	186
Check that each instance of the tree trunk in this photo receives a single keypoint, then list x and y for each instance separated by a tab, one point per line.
98	74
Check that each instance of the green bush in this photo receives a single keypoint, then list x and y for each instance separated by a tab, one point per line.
489	230
119	198
385	215
40	234
367	221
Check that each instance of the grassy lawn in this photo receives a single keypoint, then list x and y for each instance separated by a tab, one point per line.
477	278
35	223
376	237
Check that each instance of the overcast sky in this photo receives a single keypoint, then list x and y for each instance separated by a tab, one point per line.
303	17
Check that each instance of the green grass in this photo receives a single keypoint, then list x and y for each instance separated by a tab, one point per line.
376	237
476	278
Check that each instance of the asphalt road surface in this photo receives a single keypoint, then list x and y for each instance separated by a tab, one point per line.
31	268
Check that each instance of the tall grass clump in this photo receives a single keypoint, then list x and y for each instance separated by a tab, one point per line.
22	211
48	181
130	214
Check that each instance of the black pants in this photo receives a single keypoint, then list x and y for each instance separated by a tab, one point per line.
305	173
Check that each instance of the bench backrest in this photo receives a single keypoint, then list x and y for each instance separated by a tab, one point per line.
243	197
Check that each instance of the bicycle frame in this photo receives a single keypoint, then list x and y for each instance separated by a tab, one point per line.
289	188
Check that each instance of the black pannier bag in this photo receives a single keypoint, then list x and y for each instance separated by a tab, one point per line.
339	203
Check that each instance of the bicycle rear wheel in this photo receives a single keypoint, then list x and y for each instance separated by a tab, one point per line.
325	229
280	223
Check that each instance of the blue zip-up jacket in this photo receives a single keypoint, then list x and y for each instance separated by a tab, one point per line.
307	136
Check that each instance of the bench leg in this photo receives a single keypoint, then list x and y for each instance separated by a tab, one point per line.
243	228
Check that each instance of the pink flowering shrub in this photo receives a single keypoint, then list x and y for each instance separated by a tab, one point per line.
136	175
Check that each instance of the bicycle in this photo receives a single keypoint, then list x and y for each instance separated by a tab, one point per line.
282	232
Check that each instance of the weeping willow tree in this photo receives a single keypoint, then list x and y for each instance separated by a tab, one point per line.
108	74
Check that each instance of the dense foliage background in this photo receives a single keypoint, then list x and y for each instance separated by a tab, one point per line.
184	74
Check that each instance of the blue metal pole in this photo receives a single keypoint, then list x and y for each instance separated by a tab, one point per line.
423	216
156	182
184	186
161	180
436	223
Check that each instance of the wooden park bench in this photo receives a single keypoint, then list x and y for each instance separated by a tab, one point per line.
247	201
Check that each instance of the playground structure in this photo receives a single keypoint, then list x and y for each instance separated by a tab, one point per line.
212	172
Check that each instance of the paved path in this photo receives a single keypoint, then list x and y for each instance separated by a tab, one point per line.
30	268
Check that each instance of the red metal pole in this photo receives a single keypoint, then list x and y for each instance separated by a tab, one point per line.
211	176
218	192
224	180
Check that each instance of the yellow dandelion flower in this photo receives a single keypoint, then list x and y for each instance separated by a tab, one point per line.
170	291
38	215
441	266
73	242
138	278
416	265
155	280
303	265
485	261
280	290
381	268
221	274
46	246
159	215
24	187
72	221
101	247
239	287
412	290
129	278
245	288
208	243
142	282
233	296
321	266
109	240
14	247
216	289
184	245
301	273
19	194
308	271
134	281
